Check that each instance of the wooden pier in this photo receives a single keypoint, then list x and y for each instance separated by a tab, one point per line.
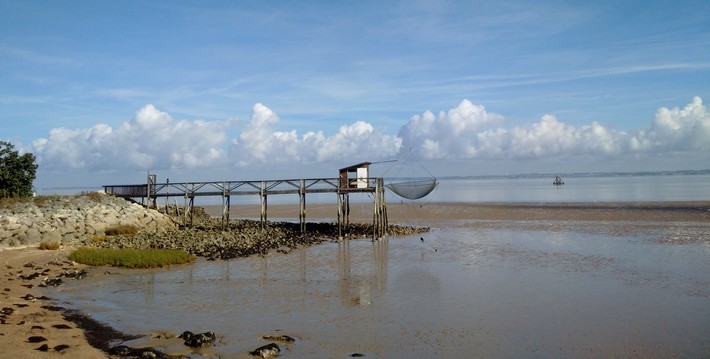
343	187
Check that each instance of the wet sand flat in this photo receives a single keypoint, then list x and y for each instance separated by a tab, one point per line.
32	325
493	280
403	213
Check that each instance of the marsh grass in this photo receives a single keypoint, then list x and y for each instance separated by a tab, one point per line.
41	200
97	239
94	196
10	202
130	258
49	245
121	229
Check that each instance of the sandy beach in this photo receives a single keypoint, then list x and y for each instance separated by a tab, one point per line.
33	327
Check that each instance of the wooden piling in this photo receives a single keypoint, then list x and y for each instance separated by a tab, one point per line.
264	205
302	206
225	207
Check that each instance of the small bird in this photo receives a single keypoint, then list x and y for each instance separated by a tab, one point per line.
422	238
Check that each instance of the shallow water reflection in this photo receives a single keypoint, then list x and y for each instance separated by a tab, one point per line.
456	292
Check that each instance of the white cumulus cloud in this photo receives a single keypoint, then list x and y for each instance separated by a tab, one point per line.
451	133
151	139
469	131
261	143
677	129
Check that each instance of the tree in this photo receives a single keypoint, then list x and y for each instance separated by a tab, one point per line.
17	172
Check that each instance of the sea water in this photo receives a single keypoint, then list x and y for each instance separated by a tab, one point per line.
654	187
597	188
462	290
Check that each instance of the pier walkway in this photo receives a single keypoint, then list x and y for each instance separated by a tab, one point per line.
343	186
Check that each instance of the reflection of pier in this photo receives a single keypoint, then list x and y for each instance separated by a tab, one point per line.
353	179
356	272
359	292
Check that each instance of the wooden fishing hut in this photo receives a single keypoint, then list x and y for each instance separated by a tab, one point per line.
356	179
351	179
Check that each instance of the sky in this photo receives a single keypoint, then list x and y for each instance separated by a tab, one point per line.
104	91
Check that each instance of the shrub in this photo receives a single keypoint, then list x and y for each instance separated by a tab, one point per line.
121	229
17	172
130	258
49	245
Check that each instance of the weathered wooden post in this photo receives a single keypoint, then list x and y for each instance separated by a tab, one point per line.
302	206
340	214
150	190
167	196
189	205
263	205
186	211
379	217
225	205
385	220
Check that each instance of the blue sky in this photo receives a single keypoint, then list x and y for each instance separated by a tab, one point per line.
252	89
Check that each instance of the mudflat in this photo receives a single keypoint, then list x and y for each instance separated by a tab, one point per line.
33	326
413	213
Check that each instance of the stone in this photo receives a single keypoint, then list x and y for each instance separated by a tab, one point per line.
68	238
270	350
198	340
279	338
52	236
33	235
36	339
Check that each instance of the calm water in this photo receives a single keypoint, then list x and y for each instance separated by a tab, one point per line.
650	188
575	189
464	291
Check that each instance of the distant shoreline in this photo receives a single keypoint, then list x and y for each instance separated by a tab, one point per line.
587	174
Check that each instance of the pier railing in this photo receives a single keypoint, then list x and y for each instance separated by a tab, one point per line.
226	189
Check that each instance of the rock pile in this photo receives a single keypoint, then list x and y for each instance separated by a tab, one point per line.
72	220
83	221
240	238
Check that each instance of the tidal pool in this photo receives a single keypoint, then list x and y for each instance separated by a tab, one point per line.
463	290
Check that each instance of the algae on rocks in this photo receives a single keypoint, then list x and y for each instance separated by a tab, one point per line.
241	238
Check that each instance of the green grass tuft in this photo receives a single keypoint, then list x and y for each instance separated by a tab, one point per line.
121	229
130	258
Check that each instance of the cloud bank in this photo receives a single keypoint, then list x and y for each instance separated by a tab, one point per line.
154	140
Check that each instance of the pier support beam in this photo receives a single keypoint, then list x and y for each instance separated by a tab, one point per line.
302	206
343	213
225	210
379	217
264	205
